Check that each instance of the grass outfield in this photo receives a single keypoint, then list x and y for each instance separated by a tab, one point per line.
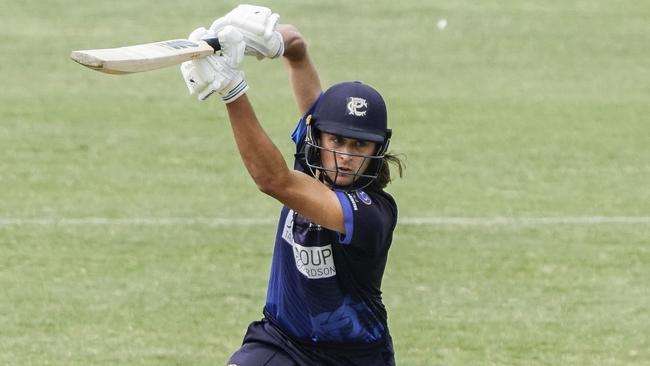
518	109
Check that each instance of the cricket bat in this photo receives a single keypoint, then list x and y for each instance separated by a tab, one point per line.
145	57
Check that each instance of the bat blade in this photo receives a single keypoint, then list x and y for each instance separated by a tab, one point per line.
144	57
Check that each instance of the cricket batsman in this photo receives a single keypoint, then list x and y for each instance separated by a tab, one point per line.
324	301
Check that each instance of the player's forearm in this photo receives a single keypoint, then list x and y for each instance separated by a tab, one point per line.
262	158
302	71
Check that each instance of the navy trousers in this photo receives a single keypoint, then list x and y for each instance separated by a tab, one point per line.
266	345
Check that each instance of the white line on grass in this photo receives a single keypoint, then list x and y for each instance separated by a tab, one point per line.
151	221
422	221
527	221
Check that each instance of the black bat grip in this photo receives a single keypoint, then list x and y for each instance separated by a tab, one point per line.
214	43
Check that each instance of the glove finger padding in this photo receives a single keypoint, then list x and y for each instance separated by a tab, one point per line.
251	18
258	26
220	23
212	74
271	25
195	81
219	74
232	45
201	33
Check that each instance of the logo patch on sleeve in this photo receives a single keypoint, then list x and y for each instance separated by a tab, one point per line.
363	196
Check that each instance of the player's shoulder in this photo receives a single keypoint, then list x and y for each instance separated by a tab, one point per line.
373	200
379	196
374	217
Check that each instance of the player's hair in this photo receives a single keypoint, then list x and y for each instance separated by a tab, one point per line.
384	177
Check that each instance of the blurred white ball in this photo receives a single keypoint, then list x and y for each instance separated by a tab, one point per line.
442	24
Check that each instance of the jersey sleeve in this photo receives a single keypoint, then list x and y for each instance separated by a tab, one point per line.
369	219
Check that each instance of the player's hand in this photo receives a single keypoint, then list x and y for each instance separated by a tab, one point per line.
220	73
258	26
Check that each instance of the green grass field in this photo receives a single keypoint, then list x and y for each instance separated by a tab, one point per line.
111	187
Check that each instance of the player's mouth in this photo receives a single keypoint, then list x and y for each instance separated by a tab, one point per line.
346	171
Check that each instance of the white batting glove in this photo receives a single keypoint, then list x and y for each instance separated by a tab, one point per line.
221	73
258	26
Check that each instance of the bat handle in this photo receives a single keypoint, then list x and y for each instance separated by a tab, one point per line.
214	43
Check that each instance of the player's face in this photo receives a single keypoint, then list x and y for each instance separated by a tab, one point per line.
346	160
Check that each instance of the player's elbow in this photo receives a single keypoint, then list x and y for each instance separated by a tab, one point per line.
295	47
272	185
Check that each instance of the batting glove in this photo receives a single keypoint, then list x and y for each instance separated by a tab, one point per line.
258	26
220	73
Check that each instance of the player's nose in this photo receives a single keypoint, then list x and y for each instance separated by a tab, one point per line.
344	152
348	148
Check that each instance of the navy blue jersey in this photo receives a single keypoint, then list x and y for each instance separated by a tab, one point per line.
325	286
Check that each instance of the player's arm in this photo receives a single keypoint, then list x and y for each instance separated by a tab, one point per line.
266	165
262	158
302	71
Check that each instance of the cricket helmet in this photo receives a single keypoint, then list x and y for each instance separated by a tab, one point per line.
352	110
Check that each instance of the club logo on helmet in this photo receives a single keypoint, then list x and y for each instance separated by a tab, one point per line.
357	106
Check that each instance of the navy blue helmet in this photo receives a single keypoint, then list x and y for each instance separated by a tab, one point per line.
352	110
